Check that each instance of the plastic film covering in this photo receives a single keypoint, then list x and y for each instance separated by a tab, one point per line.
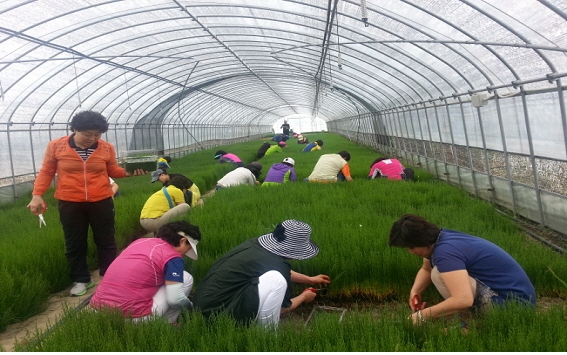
470	90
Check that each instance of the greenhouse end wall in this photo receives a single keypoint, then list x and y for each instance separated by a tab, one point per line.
511	151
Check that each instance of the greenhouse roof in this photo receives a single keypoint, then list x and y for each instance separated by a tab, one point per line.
245	61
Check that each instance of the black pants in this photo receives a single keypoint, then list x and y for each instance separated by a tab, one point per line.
75	218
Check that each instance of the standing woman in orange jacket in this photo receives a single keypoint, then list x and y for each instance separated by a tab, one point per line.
83	163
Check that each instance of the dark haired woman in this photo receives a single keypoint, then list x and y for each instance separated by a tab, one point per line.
252	282
467	271
148	279
311	147
83	163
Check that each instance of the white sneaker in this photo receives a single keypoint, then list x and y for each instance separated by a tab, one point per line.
80	288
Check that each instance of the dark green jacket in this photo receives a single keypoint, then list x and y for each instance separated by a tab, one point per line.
231	285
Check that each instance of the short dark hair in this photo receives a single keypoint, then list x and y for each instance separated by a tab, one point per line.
344	154
167	159
169	232
89	120
180	181
412	231
319	142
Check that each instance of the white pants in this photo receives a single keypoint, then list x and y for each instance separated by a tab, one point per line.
271	292
161	308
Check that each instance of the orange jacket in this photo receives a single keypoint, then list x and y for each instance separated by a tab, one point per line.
78	180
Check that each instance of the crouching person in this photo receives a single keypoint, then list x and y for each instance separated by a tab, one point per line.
252	282
466	270
148	278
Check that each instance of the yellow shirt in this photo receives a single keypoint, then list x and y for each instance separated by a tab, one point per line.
157	204
196	194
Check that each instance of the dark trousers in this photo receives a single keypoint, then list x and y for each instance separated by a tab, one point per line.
75	218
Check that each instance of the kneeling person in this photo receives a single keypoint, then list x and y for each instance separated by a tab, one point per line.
252	282
466	270
148	278
165	204
281	173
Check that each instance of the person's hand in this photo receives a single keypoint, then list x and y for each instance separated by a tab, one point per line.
137	172
309	295
415	303
37	204
320	280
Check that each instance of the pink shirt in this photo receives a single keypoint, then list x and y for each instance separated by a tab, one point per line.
134	277
391	168
232	157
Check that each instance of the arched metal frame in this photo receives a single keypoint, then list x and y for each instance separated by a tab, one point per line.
181	75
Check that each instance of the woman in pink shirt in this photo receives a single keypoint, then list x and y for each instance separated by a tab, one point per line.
225	157
389	168
148	279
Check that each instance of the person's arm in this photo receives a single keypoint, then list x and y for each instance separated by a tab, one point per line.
346	172
421	282
305	296
43	180
114	186
175	296
461	297
309	280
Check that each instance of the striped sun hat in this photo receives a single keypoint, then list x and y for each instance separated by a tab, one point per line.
290	240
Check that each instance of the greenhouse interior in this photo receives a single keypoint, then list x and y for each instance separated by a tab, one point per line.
470	91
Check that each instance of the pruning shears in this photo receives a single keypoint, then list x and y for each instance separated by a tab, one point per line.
416	303
40	215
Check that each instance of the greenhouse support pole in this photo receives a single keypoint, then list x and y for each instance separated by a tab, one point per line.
563	113
532	158
431	145
416	143
422	139
442	145
469	153
398	128
8	125
407	141
488	171
453	148
506	154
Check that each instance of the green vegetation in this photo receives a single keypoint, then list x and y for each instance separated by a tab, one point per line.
350	223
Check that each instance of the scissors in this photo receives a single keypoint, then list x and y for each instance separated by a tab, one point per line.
40	215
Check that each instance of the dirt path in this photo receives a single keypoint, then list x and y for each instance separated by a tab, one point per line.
56	304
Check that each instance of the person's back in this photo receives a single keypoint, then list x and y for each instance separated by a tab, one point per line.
388	168
327	168
157	204
263	148
276	148
311	147
238	176
484	261
134	271
225	289
281	173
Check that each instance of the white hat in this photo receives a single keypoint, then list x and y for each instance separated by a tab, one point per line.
289	161
290	240
192	253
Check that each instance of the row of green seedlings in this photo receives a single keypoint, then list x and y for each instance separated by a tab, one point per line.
32	259
510	329
340	214
355	235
